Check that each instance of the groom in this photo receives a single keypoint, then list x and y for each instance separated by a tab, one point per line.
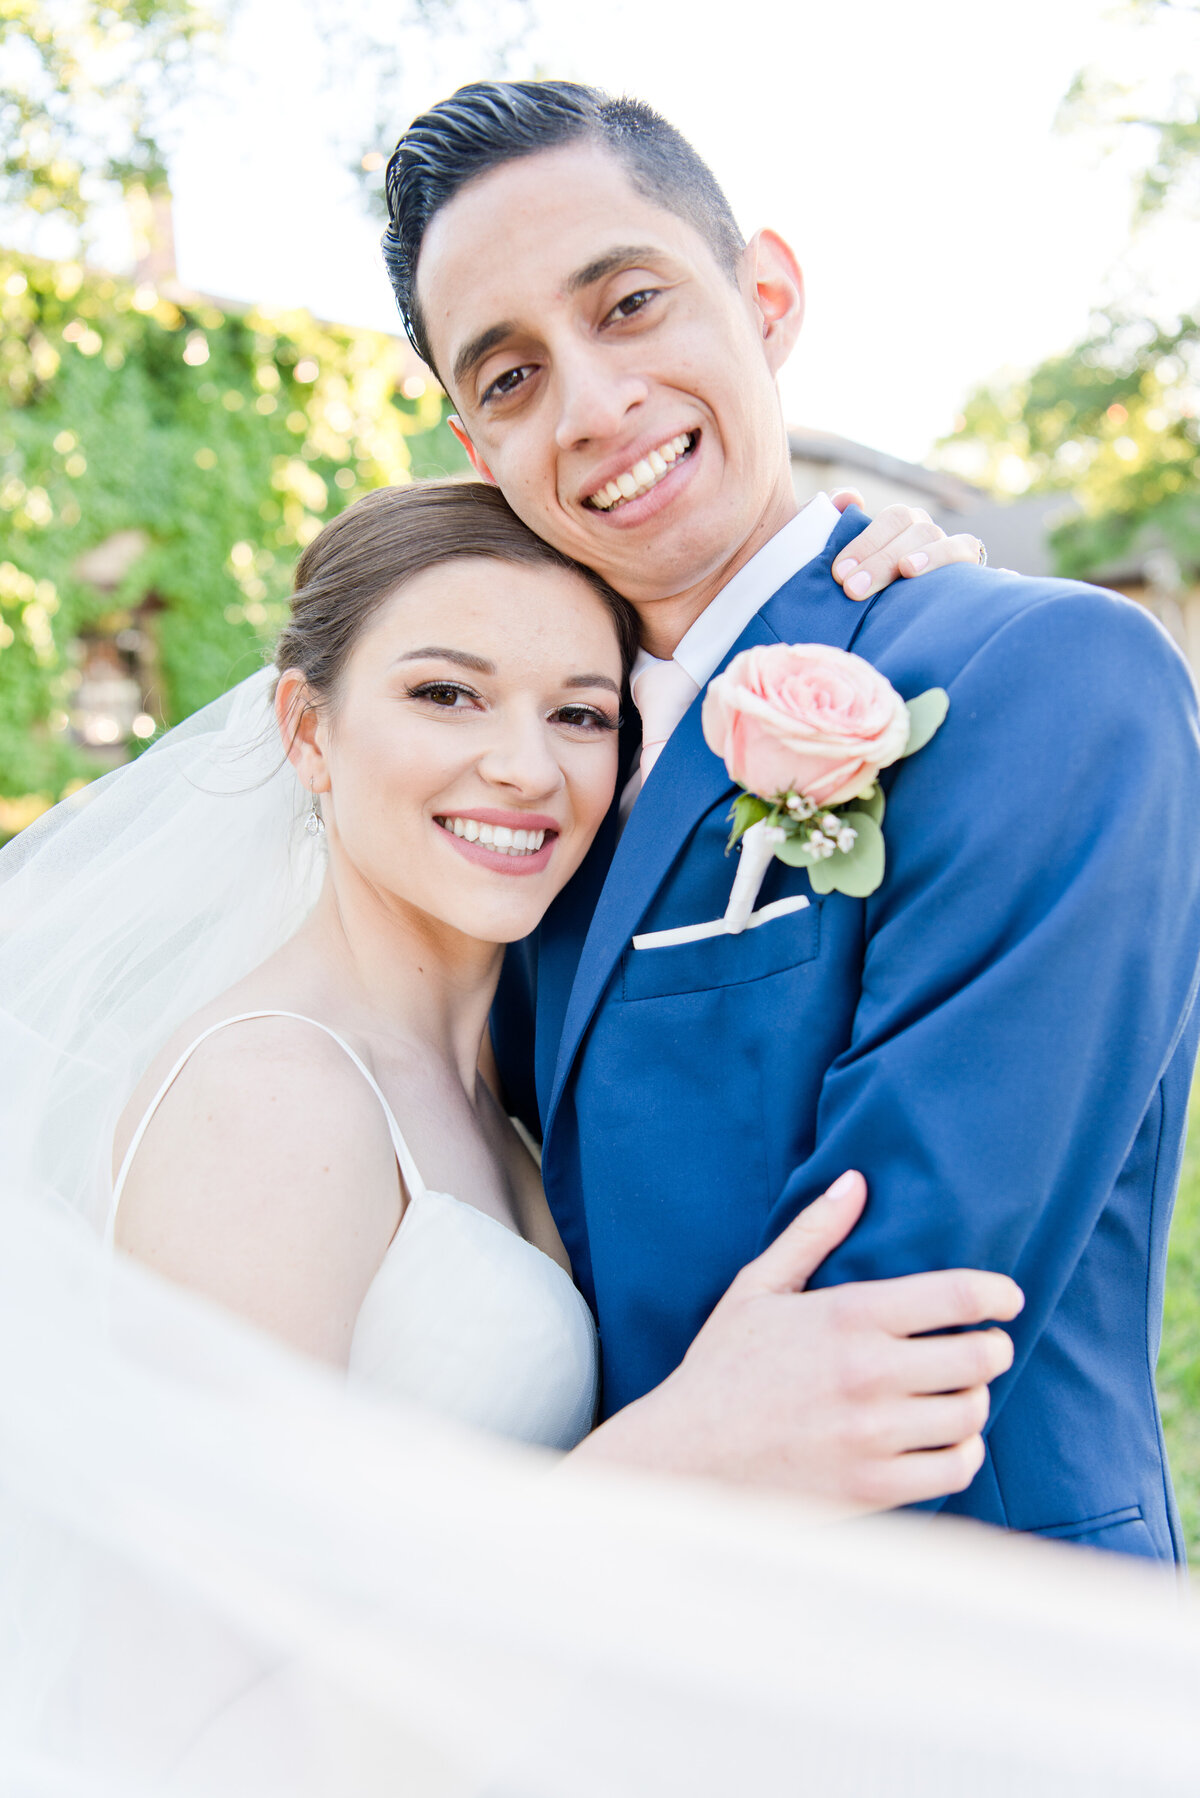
1002	1037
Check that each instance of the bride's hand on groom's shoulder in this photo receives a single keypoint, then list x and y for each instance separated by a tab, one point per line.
901	541
841	1394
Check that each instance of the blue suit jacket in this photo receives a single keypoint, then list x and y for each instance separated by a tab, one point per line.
1001	1037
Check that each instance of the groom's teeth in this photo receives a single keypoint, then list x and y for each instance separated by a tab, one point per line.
500	838
644	474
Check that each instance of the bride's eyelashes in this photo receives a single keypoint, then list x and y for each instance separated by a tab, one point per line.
586	717
445	696
443	693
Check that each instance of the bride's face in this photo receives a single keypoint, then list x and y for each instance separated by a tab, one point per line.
470	751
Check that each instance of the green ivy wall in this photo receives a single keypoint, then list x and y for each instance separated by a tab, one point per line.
224	438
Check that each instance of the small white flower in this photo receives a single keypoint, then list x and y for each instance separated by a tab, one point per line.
847	836
799	806
821	846
773	833
831	824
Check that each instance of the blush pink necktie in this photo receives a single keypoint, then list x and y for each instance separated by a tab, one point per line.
662	692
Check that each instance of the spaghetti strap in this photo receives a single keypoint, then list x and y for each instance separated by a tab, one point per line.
408	1167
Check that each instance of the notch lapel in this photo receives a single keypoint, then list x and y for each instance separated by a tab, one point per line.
687	780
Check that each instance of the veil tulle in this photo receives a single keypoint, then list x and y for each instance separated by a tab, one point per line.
226	1574
126	908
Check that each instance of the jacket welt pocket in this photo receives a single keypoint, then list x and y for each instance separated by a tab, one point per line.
717	961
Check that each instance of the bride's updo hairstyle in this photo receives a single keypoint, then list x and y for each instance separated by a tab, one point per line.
368	552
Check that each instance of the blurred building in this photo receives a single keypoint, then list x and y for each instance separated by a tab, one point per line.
1017	532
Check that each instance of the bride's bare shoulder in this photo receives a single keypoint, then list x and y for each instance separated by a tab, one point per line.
267	1179
271	1065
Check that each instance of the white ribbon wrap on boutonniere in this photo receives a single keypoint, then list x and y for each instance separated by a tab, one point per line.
804	729
757	854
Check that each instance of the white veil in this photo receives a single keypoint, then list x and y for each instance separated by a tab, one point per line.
224	1574
126	908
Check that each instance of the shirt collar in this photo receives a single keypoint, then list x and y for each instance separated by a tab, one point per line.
704	647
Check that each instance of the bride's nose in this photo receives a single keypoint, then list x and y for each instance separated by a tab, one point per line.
521	756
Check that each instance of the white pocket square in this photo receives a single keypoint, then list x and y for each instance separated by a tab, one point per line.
696	933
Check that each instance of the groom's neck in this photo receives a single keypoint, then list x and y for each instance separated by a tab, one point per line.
665	622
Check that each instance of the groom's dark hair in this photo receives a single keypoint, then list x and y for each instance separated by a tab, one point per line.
493	122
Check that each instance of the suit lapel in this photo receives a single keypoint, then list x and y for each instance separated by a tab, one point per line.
687	781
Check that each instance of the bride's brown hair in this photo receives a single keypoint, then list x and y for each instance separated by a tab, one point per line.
371	549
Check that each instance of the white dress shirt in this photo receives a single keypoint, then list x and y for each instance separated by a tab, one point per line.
702	650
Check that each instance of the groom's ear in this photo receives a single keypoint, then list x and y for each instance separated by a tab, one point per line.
777	293
476	460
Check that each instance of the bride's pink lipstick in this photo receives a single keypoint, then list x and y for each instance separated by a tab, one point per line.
501	860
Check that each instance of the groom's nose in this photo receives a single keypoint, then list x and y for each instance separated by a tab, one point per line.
596	394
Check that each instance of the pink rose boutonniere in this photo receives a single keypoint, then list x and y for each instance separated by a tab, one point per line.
805	729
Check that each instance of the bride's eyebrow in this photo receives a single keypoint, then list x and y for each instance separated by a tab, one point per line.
433	653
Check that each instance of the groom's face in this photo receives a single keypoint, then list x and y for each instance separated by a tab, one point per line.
613	378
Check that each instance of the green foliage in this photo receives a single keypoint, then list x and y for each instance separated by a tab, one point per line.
87	91
748	808
857	871
926	715
224	440
1179	1361
1160	102
1115	422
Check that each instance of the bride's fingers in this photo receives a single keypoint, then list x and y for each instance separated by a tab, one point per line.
848	496
794	1256
935	1364
946	1298
930	1423
962	547
930	1473
878	553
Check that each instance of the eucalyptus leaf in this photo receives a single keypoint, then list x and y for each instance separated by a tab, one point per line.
794	851
926	715
874	806
748	808
859	872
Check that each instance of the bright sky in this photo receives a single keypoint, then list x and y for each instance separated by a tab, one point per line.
906	151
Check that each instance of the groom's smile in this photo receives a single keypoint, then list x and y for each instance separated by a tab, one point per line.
610	375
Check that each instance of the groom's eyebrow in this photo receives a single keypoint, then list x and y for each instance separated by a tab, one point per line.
473	353
625	256
599	269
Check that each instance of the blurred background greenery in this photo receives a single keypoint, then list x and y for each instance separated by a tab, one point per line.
166	453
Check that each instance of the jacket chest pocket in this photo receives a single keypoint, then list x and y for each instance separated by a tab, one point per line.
782	936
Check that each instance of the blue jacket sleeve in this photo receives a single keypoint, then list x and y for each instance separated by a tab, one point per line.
1030	958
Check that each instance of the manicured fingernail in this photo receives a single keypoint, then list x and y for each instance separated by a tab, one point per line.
846	566
842	1187
918	560
859	585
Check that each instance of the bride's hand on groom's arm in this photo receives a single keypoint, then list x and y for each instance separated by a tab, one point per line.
900	541
839	1394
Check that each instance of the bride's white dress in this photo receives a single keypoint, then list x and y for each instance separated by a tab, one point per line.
464	1316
